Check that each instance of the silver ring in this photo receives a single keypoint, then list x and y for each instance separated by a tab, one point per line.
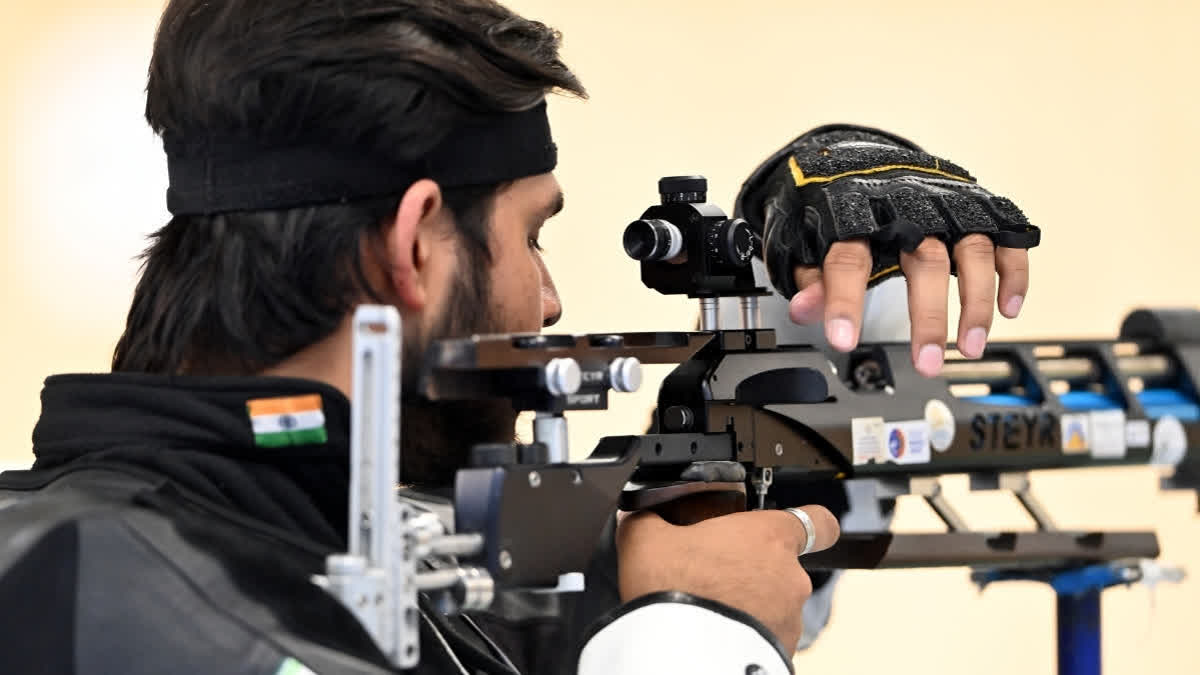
810	530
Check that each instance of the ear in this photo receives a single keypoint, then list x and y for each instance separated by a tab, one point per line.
412	241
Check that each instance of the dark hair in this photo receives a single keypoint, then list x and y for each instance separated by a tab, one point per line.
240	292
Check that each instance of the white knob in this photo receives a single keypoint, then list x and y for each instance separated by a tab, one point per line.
625	374
563	376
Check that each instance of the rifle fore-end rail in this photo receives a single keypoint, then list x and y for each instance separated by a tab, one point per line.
737	397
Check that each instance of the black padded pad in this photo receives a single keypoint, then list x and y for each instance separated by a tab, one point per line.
844	183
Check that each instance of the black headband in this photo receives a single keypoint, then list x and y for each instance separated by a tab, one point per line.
224	175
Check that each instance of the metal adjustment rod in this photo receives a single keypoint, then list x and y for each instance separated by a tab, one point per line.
1017	482
563	378
762	483
551	430
430	538
376	578
750	312
458	589
709	316
930	488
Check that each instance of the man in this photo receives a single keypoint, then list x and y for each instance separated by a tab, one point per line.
323	155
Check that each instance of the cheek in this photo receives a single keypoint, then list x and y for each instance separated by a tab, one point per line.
517	291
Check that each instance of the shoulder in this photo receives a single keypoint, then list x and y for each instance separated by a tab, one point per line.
105	582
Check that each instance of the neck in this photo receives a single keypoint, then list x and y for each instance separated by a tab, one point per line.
325	361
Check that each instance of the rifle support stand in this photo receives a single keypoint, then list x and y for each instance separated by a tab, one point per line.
1078	601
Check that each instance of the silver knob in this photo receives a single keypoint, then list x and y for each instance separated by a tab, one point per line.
563	376
625	374
476	589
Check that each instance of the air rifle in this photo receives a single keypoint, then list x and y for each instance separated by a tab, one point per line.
745	423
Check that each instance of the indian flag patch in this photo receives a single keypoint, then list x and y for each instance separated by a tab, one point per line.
290	420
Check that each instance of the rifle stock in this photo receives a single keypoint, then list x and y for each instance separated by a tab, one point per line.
795	414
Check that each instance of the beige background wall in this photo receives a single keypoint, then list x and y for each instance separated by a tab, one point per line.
1085	112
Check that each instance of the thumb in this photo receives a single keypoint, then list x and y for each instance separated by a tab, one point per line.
807	306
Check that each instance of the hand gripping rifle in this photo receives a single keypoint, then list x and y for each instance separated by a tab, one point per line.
741	416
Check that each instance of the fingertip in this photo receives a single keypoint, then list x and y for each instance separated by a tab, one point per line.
841	333
828	528
972	343
1012	307
805	306
929	360
825	526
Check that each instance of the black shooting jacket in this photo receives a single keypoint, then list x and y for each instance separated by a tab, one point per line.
153	535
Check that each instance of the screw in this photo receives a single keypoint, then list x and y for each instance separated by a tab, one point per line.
779	449
505	560
535	479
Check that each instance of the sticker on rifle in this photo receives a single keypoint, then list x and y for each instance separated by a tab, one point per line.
941	425
1170	442
907	442
1137	434
1107	434
1075	433
866	434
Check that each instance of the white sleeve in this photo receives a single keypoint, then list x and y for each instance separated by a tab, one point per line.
680	633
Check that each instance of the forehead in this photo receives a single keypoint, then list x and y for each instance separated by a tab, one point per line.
532	196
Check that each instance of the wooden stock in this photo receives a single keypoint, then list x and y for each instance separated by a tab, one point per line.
686	503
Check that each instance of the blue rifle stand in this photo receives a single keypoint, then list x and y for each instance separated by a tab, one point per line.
1078	591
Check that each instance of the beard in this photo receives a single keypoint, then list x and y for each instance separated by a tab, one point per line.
436	437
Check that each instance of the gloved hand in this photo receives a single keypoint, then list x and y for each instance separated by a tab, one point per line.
842	208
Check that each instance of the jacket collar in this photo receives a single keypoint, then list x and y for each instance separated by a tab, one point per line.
275	449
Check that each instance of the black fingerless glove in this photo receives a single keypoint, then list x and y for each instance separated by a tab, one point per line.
842	182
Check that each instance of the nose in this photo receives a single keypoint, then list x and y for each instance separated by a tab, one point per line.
551	304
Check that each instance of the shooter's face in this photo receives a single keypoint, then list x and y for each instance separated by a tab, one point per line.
511	292
514	294
523	296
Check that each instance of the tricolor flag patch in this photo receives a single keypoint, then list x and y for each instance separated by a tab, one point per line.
290	420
